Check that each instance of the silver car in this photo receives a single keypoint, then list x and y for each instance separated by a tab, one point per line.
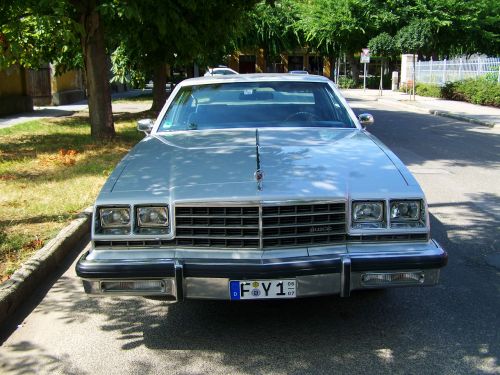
252	187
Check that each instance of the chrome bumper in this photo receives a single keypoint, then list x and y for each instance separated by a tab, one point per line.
362	267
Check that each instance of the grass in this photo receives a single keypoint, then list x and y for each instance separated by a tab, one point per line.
49	171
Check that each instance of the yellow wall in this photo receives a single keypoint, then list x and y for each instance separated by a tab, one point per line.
260	61
11	81
327	69
68	81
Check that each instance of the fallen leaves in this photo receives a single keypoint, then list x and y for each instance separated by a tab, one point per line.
33	245
8	177
63	157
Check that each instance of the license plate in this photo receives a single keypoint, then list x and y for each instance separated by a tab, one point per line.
262	289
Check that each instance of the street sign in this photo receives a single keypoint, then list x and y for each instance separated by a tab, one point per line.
365	56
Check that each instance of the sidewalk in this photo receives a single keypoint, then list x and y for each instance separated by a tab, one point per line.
70	109
478	114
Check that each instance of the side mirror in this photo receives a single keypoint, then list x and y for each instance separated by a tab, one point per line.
145	125
365	119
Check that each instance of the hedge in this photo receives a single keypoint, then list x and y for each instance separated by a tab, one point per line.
483	91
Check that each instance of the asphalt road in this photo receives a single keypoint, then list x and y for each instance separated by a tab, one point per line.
453	328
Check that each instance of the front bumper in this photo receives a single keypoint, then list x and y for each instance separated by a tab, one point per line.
361	267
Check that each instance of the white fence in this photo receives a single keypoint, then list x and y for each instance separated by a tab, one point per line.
439	72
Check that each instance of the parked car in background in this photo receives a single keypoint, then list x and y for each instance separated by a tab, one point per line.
222	70
261	186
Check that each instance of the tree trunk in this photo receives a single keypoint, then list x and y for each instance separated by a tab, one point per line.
354	66
96	72
333	67
159	82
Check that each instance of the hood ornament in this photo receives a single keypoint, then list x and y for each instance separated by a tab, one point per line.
259	173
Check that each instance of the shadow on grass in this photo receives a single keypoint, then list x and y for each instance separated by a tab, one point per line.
50	136
38	219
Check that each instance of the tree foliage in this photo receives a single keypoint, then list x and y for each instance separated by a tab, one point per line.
33	39
383	45
416	37
271	26
171	32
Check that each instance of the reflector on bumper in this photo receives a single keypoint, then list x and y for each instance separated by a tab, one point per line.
164	287
395	278
155	286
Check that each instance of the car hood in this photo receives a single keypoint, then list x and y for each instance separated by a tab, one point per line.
221	164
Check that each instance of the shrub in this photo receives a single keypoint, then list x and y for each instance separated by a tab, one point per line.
374	82
346	83
484	91
428	89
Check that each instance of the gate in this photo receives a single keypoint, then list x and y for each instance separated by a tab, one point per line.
38	85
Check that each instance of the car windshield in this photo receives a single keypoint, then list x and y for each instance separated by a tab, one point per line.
255	105
223	71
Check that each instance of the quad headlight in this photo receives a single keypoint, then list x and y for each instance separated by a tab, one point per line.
152	220
114	220
407	214
368	215
117	220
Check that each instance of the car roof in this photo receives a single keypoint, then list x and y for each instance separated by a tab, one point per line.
256	77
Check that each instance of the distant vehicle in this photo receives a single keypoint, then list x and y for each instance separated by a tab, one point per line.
298	72
223	70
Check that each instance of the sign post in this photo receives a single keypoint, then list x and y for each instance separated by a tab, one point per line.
365	59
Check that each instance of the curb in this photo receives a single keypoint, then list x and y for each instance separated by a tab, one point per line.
26	279
462	118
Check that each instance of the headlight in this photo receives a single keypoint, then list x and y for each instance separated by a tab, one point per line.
368	215
152	220
407	213
114	220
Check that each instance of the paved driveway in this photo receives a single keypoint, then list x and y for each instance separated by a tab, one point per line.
449	329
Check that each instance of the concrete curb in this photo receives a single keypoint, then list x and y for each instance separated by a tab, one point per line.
24	281
462	118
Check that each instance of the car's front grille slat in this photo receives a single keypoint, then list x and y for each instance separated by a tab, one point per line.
270	225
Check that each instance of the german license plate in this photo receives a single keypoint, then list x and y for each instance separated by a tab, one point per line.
262	289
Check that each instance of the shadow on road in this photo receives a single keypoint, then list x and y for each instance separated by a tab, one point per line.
417	330
448	329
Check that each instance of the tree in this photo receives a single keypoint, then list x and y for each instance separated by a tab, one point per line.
384	46
339	26
270	26
31	40
49	30
415	38
205	28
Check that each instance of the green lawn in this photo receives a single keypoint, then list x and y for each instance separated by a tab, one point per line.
49	171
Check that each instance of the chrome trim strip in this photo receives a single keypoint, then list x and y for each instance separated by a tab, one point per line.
255	203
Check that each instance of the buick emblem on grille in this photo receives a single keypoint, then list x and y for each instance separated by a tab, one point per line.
320	229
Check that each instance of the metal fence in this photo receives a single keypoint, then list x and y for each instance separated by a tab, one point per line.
439	72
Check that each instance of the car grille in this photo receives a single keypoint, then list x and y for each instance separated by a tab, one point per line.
267	226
